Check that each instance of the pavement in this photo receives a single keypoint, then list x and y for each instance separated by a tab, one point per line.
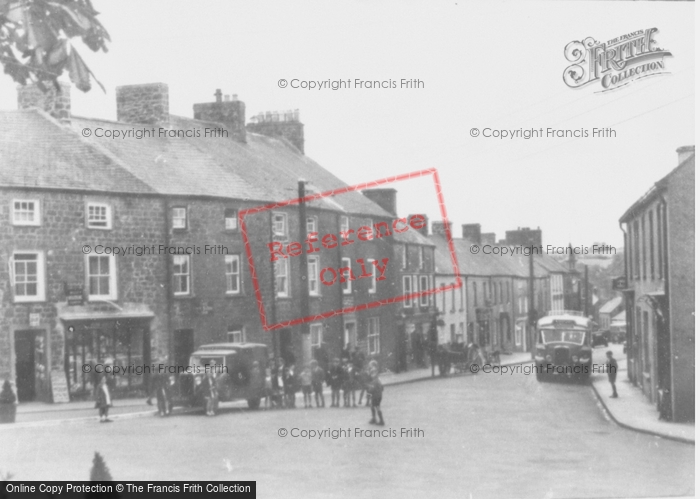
42	413
631	409
483	436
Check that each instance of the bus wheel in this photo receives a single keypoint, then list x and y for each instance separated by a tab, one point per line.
254	404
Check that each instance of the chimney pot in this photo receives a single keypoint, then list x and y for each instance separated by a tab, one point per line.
229	113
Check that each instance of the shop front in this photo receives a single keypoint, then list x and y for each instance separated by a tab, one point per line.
98	342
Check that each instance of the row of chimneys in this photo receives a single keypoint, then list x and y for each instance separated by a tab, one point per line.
148	104
386	198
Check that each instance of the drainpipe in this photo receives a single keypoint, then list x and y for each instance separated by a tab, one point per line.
170	334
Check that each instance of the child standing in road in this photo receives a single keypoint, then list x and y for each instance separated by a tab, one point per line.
611	367
318	376
306	385
335	381
375	391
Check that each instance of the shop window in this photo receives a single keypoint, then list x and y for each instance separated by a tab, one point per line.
25	212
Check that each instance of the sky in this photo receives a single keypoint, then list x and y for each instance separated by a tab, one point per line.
483	65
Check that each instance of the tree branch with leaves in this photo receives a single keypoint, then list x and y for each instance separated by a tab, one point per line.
36	40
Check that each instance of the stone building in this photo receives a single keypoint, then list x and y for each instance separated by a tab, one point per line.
660	296
130	249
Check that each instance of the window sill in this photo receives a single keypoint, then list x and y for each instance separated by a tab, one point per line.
29	302
25	225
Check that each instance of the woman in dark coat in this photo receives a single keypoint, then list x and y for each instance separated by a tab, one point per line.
103	400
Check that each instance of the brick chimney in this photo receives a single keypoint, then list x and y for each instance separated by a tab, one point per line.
472	232
280	124
145	104
53	101
438	228
423	230
684	153
386	198
229	112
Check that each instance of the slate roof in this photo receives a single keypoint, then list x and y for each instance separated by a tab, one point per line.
38	151
480	264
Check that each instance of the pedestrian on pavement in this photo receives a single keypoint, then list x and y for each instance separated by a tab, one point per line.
103	400
318	376
375	391
335	381
306	378
611	366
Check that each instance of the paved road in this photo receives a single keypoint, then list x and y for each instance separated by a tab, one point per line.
484	436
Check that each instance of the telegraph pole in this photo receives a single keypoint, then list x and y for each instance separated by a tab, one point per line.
304	271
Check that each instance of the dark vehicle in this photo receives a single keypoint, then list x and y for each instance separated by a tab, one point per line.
600	338
618	334
233	367
564	346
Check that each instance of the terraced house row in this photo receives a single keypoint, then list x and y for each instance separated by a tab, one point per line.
129	250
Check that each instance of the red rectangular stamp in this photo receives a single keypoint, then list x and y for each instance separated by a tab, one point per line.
344	276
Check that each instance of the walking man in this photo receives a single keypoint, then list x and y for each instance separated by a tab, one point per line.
611	366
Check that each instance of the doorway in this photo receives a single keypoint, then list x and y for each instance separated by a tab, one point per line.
30	365
183	346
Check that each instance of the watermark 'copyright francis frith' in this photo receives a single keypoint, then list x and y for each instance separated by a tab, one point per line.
339	433
351	84
489	249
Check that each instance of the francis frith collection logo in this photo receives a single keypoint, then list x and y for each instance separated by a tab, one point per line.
615	63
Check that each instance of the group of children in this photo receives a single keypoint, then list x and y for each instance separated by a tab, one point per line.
282	383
